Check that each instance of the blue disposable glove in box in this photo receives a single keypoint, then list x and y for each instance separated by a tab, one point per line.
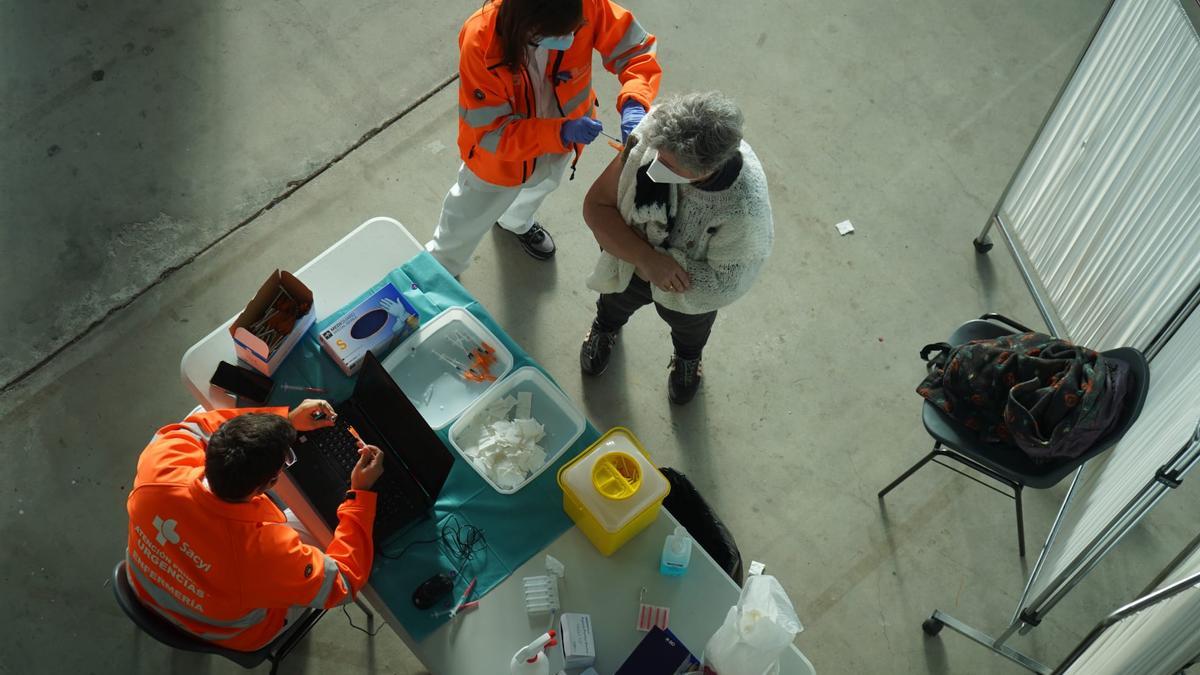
373	325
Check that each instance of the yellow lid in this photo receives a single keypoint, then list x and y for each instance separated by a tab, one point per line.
616	475
614	480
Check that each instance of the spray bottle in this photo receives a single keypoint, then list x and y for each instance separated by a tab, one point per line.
532	659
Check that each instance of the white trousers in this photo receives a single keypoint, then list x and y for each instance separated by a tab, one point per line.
472	205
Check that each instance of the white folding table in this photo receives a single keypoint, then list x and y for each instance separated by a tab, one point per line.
483	640
337	276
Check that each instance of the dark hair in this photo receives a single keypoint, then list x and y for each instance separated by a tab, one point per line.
520	20
245	453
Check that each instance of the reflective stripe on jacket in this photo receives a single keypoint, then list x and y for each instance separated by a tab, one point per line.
228	572
500	136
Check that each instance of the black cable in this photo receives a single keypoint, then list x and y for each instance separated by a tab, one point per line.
360	628
460	542
388	556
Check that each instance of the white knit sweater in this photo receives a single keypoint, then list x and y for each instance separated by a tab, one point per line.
721	239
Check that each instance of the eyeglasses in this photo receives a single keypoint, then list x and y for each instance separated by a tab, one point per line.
289	457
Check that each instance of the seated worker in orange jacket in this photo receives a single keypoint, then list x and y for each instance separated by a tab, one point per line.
210	552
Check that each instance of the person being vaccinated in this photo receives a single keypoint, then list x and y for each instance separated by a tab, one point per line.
526	110
683	219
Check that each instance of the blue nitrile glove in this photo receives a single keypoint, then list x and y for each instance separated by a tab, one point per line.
580	130
631	114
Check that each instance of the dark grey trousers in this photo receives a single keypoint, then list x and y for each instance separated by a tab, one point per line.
689	332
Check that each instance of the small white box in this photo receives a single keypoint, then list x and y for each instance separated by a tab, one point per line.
578	643
373	325
253	349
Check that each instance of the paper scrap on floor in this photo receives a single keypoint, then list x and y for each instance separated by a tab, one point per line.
508	450
844	227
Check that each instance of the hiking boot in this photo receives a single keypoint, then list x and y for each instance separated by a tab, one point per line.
684	379
597	348
537	242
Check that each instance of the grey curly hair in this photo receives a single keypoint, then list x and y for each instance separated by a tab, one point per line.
702	130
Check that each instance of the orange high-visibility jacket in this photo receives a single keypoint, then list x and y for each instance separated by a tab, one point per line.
499	134
228	572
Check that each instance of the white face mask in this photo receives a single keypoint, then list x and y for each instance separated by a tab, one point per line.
559	42
659	173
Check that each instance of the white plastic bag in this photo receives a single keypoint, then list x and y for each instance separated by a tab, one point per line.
755	632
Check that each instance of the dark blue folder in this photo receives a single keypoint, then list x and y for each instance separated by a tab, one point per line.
659	653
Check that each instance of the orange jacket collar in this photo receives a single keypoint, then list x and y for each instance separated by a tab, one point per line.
493	51
258	510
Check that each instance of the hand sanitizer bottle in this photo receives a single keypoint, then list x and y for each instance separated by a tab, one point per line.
677	553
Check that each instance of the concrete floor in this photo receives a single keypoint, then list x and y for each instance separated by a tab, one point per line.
905	118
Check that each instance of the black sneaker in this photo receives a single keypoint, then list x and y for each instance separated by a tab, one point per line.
684	379
597	347
537	242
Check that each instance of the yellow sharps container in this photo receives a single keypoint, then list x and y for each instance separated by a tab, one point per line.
612	491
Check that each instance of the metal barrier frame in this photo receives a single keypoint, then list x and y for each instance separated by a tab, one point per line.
1168	477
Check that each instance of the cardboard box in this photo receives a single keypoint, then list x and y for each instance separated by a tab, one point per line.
578	643
252	349
373	325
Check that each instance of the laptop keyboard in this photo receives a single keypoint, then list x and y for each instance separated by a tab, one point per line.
338	452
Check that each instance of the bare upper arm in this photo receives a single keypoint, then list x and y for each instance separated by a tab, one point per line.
603	192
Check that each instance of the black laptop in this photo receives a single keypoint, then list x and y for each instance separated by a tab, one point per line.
415	461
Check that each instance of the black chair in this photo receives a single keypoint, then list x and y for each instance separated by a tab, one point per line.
167	633
1007	464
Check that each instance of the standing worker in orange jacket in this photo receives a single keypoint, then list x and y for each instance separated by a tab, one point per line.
210	552
526	104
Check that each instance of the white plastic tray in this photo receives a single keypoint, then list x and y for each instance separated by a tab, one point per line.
563	422
438	391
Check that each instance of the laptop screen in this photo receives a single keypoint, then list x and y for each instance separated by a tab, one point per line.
394	417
